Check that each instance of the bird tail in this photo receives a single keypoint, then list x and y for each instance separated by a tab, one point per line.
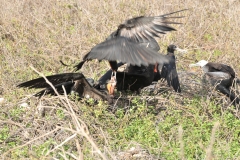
79	65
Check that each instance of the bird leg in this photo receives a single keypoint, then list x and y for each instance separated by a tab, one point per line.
156	68
112	83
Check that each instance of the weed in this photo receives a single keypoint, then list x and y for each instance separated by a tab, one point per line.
47	31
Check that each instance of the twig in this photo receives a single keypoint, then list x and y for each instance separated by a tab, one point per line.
82	128
61	144
72	155
180	132
209	155
63	155
29	142
79	150
11	122
117	99
48	82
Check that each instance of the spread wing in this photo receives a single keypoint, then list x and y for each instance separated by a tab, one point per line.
54	79
126	51
144	28
133	41
71	81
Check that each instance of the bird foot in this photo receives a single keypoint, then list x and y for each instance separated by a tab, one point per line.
112	84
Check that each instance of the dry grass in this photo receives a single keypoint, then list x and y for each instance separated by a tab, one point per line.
41	33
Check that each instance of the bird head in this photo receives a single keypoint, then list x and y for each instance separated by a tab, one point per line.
171	48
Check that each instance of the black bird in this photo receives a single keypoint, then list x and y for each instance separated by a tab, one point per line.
136	77
168	70
220	75
76	82
72	82
133	43
134	80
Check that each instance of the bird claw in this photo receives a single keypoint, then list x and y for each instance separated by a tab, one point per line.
112	83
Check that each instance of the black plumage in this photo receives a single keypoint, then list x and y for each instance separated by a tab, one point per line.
72	82
126	51
136	77
133	43
221	76
130	43
168	70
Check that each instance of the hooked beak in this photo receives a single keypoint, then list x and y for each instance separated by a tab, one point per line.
194	65
181	50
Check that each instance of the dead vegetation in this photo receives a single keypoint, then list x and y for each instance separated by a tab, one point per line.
41	33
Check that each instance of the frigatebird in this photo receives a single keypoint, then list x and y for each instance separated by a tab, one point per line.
221	76
135	78
168	70
133	43
72	82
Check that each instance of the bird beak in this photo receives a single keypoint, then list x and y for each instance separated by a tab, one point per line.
194	65
181	50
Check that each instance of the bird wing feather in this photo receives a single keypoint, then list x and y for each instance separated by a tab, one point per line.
218	75
144	28
54	79
168	71
126	51
221	67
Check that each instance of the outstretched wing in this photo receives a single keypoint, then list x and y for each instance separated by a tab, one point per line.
71	81
133	42
126	51
141	29
54	79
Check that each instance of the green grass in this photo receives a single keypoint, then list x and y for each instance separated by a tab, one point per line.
41	33
139	123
